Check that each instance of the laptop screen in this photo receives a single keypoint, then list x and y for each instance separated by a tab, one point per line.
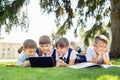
41	61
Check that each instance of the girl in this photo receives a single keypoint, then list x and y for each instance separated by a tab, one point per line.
46	48
66	54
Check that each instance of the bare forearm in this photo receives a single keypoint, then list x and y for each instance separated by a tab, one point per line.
96	59
106	61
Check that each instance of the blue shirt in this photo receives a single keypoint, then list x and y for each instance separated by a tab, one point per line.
22	57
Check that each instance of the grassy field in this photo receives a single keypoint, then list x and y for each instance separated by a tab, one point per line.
59	73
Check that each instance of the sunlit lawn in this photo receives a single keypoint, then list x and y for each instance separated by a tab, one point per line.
61	73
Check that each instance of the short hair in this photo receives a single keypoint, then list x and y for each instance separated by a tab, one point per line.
29	43
102	38
62	42
44	40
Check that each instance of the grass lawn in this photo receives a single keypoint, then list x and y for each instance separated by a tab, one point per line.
59	73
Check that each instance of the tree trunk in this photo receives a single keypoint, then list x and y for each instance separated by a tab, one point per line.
115	28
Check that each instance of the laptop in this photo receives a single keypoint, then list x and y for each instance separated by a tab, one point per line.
41	61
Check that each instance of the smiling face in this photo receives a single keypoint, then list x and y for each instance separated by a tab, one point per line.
45	48
45	44
30	52
101	45
61	50
62	46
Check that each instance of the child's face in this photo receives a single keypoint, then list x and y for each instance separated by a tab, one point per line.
30	51
61	51
100	45
45	48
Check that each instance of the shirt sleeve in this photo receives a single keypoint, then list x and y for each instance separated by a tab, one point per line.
21	60
73	55
57	57
88	54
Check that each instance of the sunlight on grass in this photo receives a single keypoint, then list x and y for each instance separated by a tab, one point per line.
108	77
116	61
58	73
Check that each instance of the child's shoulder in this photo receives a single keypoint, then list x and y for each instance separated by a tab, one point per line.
90	48
22	54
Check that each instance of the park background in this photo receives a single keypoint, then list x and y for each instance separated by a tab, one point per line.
93	8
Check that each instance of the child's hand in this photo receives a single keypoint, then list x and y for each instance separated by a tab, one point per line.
58	63
61	63
101	51
97	51
27	63
48	53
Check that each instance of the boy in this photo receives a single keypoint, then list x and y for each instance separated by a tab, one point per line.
98	53
29	50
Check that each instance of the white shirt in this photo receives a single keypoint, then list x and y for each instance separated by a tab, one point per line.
91	54
72	55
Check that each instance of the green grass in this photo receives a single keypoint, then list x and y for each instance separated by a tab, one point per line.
59	73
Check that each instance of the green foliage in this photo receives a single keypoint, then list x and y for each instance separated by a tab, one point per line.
85	9
97	10
61	8
10	14
89	35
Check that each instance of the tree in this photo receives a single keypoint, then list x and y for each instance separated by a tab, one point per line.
86	9
11	15
83	10
115	28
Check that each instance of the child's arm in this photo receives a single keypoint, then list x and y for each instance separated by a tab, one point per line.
71	62
106	58
106	61
103	54
98	55
90	53
95	60
26	64
62	63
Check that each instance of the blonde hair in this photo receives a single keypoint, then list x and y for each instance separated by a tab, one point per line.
102	38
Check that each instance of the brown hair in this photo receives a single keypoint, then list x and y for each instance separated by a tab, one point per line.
62	42
44	40
102	38
29	43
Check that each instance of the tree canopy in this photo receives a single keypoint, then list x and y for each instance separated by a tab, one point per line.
11	14
83	11
65	10
87	13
